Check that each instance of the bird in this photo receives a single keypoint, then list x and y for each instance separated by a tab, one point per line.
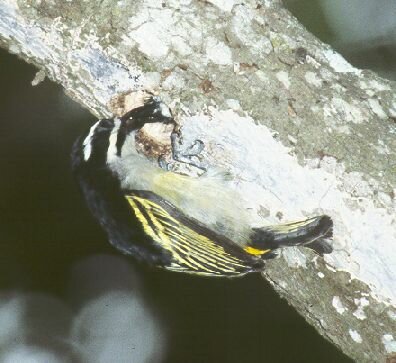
176	222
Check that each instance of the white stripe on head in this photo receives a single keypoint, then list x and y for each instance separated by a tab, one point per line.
87	144
112	149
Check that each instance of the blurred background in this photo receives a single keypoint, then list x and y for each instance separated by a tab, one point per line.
67	296
363	31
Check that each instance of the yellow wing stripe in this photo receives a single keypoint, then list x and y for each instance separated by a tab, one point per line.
163	239
183	231
211	249
205	254
173	223
159	236
189	249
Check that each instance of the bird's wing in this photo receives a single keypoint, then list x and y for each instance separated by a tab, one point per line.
194	248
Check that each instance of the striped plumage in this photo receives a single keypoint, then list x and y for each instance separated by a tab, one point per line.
156	215
193	247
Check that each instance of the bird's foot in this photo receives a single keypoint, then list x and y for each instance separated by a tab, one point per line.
190	155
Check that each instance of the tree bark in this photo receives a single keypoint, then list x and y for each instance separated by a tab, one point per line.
301	131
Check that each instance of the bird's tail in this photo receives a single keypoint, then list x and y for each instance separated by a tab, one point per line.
313	233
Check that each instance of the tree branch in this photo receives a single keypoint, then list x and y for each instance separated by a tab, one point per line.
300	130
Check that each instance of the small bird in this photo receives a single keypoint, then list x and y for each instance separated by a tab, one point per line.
187	224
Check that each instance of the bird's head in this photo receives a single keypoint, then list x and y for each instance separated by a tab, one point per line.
107	139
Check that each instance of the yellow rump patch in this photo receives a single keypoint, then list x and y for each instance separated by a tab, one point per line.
255	251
